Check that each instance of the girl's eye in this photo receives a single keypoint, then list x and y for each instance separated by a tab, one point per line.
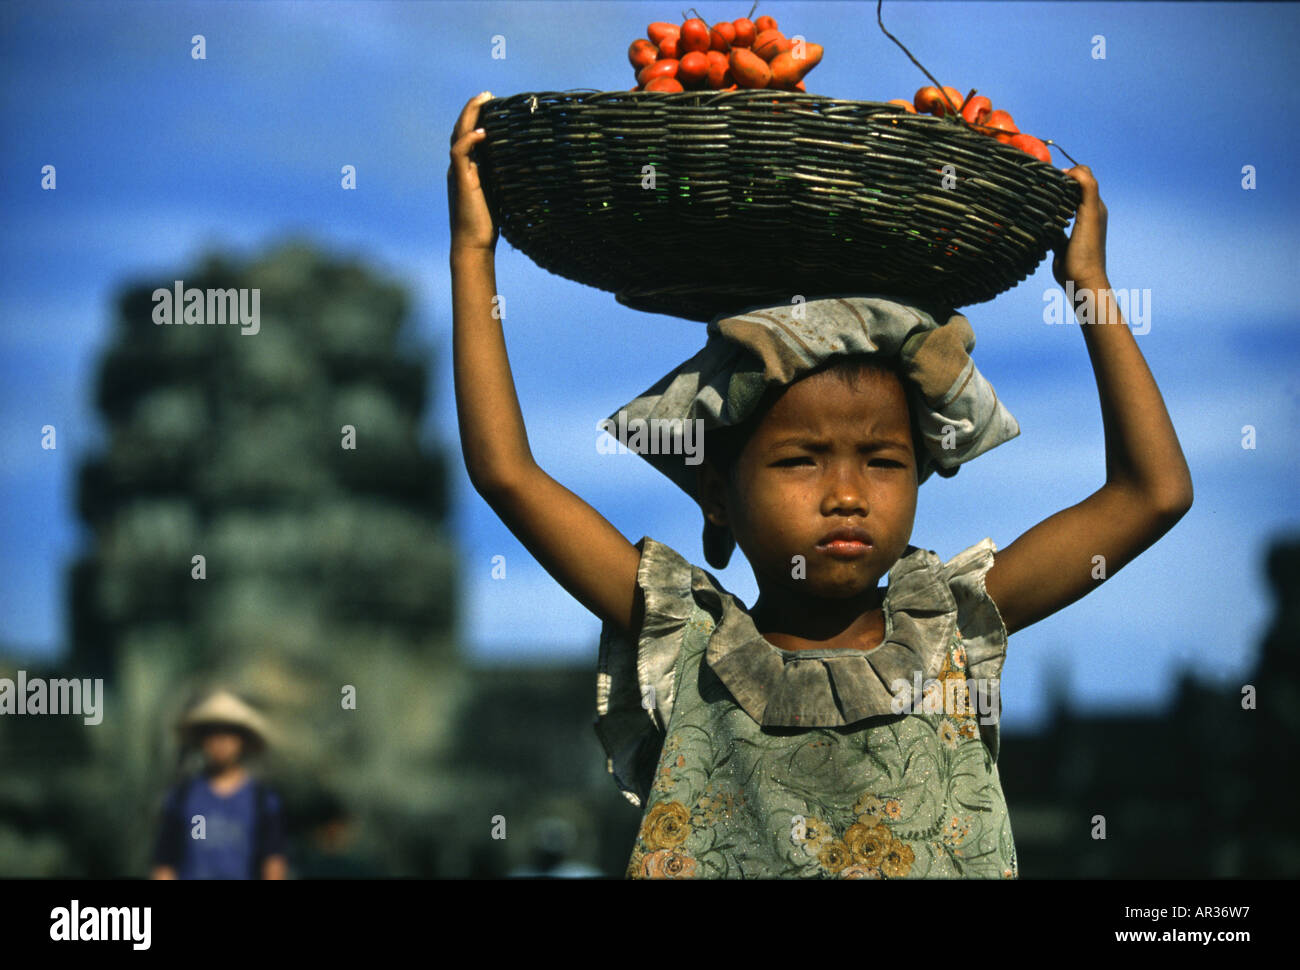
887	462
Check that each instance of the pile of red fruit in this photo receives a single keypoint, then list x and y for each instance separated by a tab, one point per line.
977	111
742	53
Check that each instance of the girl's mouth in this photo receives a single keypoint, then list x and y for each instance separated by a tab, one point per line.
845	548
846	541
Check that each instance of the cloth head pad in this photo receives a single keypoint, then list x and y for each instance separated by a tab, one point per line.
957	414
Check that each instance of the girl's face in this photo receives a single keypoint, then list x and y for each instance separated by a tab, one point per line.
825	455
222	747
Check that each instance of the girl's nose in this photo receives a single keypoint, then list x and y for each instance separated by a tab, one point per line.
842	502
844	493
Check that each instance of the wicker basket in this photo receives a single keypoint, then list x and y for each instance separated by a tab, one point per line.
759	195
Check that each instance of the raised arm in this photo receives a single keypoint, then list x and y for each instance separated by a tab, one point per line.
573	542
1148	485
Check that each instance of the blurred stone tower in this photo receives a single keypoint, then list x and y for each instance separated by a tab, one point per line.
290	460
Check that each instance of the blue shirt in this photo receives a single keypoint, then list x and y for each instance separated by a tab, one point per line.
234	844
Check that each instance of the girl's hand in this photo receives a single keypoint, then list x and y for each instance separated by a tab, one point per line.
1082	258
471	223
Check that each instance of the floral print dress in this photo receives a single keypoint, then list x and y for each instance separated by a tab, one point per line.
755	762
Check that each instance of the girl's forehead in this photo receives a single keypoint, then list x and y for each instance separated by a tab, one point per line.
829	400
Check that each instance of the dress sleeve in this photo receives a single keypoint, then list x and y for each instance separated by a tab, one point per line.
636	681
982	629
978	620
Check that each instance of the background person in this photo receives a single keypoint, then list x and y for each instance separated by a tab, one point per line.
242	830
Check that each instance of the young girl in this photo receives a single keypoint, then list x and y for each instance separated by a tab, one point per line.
789	740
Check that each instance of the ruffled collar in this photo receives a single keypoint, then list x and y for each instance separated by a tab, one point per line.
833	688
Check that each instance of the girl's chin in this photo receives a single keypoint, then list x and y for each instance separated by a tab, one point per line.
839	584
843	592
826	575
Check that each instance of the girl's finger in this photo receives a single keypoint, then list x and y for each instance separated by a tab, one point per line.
466	122
465	142
1087	181
460	149
468	119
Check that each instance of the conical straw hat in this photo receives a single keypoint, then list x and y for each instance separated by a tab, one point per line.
223	707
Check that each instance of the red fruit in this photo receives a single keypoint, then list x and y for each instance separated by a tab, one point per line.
664	68
1002	125
721	36
693	68
785	72
926	98
930	100
788	70
745	32
812	56
770	43
695	36
749	70
641	53
905	104
765	23
1030	144
665	84
719	70
671	47
977	109
660	29
954	96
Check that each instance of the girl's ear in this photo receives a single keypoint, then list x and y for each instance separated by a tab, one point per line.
712	494
718	545
717	539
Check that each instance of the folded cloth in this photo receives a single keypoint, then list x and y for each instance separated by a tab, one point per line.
955	412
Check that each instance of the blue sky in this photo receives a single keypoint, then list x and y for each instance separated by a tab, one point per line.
159	156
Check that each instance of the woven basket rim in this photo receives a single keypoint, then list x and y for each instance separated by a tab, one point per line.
1009	180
